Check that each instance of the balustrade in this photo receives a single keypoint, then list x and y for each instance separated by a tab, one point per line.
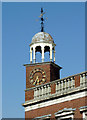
62	85
65	84
42	91
83	79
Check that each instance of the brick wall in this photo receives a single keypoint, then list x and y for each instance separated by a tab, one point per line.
77	80
53	88
77	103
51	69
52	73
29	95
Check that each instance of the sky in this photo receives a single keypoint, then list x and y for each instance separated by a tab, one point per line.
65	23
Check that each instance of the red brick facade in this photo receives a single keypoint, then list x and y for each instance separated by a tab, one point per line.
53	90
77	80
51	69
54	108
29	95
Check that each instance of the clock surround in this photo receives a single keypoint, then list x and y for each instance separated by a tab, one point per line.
51	69
37	76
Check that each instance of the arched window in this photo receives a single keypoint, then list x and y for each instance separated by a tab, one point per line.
47	53
38	54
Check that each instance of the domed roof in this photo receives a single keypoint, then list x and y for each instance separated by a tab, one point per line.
42	37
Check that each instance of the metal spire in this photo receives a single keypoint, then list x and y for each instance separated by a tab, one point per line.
42	20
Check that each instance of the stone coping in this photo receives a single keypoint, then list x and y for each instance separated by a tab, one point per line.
45	116
43	63
65	110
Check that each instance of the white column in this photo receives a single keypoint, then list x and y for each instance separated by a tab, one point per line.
84	76
56	87
81	80
54	55
34	55
42	54
51	53
61	85
65	84
45	90
30	55
68	83
42	91
49	89
34	93
37	92
73	81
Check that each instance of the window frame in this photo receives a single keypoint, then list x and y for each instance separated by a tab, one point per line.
83	110
45	117
65	114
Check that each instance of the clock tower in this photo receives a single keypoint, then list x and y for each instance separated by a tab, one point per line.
44	72
38	74
47	96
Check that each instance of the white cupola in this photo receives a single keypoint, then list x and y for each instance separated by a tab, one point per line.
42	42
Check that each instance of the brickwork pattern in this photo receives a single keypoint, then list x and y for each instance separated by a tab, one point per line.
29	95
77	80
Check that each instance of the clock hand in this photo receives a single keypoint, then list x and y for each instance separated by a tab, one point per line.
35	82
37	79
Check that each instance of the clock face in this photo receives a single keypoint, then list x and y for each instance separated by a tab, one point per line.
37	76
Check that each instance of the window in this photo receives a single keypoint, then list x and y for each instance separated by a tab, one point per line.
45	117
65	114
83	110
66	119
70	117
85	115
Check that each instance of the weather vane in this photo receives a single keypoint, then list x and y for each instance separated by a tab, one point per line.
42	20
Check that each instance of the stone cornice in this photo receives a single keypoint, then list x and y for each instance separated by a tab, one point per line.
42	63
